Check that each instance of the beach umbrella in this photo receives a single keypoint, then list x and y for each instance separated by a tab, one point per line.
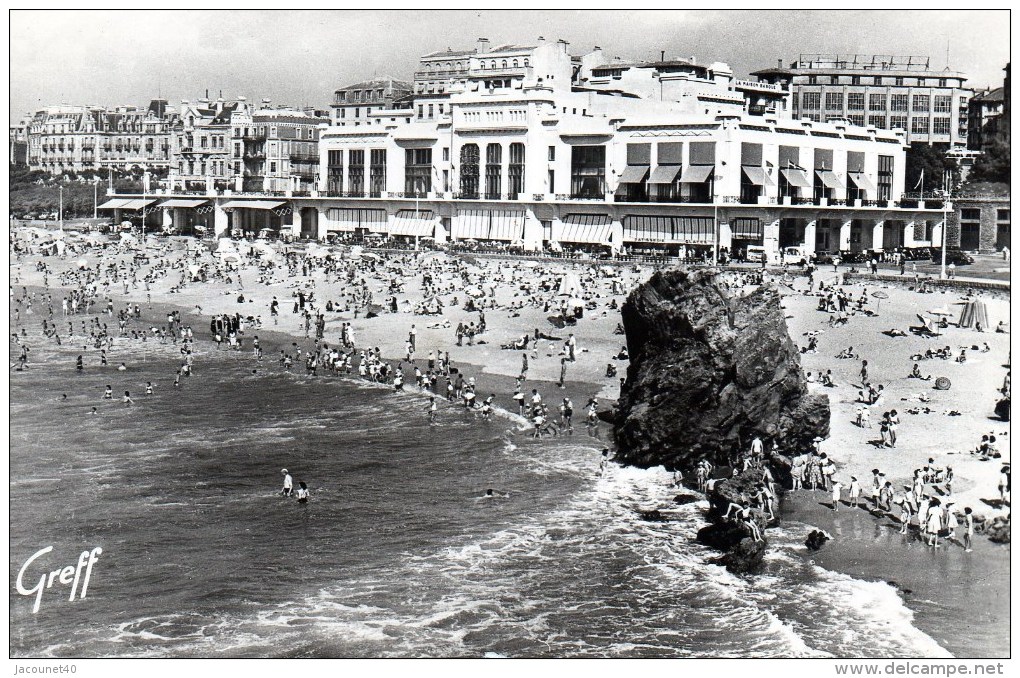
880	295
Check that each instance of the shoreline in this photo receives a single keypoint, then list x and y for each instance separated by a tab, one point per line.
495	377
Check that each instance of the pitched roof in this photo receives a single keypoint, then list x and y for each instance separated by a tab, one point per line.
996	94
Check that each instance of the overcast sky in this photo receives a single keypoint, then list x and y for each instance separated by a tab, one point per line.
300	57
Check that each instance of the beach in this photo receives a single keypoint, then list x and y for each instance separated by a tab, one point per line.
864	547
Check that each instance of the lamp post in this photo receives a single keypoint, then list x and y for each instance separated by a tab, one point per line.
946	178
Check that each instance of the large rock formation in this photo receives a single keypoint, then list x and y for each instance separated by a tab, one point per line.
744	552
708	372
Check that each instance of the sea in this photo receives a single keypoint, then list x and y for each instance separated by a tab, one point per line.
396	554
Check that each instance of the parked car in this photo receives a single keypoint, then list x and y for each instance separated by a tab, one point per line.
796	256
917	253
953	256
756	253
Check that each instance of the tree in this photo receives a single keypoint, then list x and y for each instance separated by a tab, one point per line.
992	165
932	161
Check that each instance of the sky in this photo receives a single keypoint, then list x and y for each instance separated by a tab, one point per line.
299	58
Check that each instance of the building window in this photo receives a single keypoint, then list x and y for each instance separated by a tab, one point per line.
272	167
920	103
899	82
877	121
834	101
943	103
855	101
898	121
885	176
1002	215
812	79
432	112
421	111
856	119
417	171
469	173
356	172
876	102
855	79
898	102
878	79
941	125
515	172
377	172
918	125
446	154
970	214
493	171
552	153
811	100
588	172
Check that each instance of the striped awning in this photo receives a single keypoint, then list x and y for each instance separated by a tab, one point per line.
664	174
862	181
182	202
652	228
413	222
796	177
349	219
746	227
587	228
253	204
697	174
471	225
503	225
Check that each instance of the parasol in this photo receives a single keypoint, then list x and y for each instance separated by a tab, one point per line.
880	295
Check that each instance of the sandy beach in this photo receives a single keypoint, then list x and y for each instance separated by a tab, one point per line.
956	597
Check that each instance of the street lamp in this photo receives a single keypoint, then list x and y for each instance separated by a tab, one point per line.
945	193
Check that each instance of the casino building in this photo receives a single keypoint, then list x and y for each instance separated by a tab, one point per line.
539	149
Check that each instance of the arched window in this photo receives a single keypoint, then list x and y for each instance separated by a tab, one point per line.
504	63
515	63
492	64
483	65
525	62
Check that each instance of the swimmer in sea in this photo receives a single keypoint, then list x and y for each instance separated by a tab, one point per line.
302	493
79	364
108	394
148	388
122	368
94	411
492	494
127	399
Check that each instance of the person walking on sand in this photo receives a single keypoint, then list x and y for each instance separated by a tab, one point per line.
855	492
837	488
864	373
563	371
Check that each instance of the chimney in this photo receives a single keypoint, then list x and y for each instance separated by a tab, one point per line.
541	39
563	45
662	55
482	46
780	63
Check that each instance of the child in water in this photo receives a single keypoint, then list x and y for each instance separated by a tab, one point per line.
302	493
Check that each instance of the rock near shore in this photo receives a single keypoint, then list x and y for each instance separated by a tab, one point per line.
708	372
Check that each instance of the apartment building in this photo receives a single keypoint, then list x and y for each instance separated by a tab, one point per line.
371	102
884	92
76	139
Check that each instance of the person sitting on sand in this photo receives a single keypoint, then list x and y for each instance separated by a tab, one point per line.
916	374
847	353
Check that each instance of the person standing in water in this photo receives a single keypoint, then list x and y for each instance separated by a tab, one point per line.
288	484
302	493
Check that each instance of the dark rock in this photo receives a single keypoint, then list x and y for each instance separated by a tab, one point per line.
745	557
653	516
998	530
685	499
816	540
708	373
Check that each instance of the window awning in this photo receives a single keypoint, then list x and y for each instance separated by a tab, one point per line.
114	204
757	176
471	225
182	202
797	177
507	225
413	222
137	204
588	228
349	219
253	204
697	174
634	174
664	174
830	179
862	181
